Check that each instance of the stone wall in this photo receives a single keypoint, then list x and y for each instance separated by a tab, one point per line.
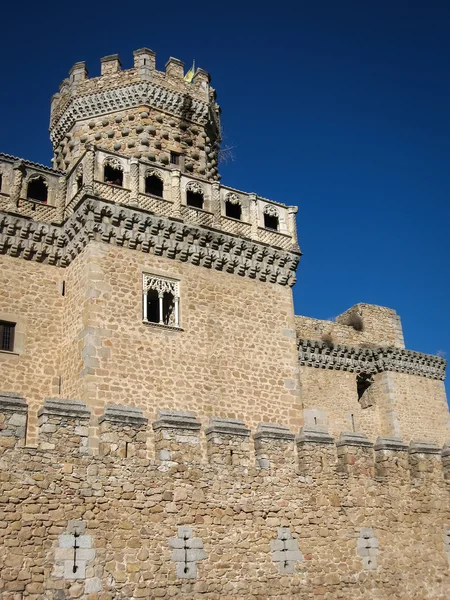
234	355
312	521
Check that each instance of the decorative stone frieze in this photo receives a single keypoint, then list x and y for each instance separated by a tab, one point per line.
134	229
124	98
313	353
285	551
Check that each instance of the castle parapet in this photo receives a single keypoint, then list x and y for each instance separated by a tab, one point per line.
227	442
355	454
64	426
123	432
316	452
391	459
13	420
274	446
177	438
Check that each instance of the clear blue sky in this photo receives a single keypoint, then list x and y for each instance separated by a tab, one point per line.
342	108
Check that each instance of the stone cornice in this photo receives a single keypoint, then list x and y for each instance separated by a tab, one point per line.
354	359
98	220
124	98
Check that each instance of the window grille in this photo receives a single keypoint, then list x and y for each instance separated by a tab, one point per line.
7	336
161	300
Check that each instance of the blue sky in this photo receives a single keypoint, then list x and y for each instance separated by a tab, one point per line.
339	107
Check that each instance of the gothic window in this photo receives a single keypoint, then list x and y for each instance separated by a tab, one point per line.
161	300
37	189
113	172
233	207
194	195
271	220
154	184
79	178
7	336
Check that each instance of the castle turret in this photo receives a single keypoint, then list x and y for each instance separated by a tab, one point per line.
138	112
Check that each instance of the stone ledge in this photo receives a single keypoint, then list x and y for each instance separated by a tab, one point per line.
172	419
395	444
227	427
273	431
354	439
420	447
12	402
123	415
65	408
314	435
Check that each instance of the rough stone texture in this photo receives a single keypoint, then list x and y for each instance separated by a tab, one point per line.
250	532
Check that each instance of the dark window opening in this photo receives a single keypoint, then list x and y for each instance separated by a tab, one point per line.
154	307
154	186
175	158
271	222
1	181
112	175
363	383
37	190
233	211
194	199
79	181
7	336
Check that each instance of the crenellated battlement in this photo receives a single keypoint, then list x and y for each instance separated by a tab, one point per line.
178	438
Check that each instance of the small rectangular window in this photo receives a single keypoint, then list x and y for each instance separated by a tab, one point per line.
7	336
175	158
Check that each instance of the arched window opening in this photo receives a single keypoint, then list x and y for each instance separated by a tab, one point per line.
37	190
161	301
79	181
194	199
113	175
233	210
271	222
154	186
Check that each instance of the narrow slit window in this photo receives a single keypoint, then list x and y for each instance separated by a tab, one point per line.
113	175
154	186
175	158
1	181
37	190
271	222
194	199
234	211
7	331
79	181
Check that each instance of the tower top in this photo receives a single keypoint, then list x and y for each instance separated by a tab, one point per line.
138	112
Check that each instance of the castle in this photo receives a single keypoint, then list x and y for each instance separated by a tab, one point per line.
168	426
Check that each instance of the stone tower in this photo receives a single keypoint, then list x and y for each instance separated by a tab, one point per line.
168	426
140	112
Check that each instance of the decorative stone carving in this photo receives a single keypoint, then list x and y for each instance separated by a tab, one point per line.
114	162
124	98
115	224
313	353
270	209
196	187
161	285
154	173
233	198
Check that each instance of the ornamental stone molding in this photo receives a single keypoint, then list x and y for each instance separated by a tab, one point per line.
196	187
232	198
313	353
112	161
124	98
271	210
98	220
161	285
